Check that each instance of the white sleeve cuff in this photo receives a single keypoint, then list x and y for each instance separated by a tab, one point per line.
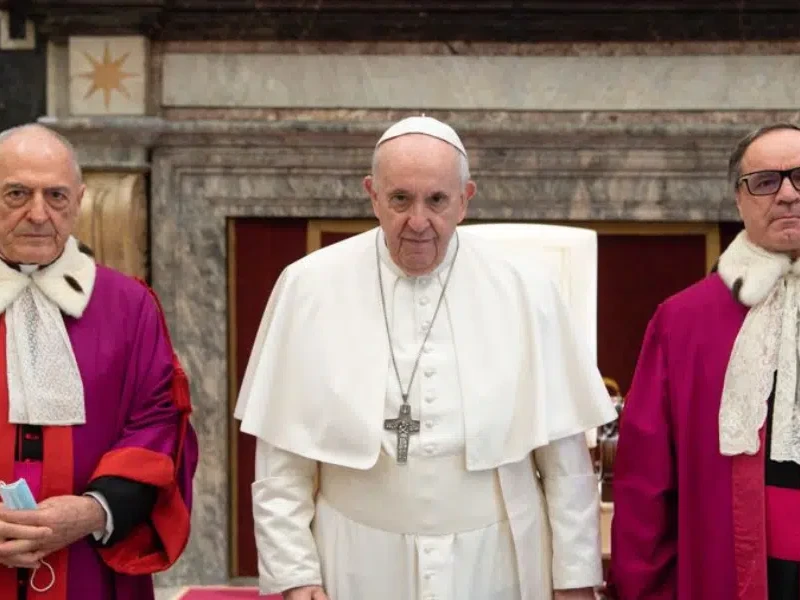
283	509
573	507
103	535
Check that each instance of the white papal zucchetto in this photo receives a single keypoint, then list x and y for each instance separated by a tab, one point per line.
425	126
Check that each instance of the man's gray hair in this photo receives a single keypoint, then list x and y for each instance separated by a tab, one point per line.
13	131
735	161
463	166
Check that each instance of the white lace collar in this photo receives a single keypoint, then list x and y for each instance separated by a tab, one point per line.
768	283
44	383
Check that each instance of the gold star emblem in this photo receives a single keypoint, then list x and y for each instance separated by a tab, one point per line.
107	75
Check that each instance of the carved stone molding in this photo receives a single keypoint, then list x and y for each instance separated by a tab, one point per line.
574	168
113	220
109	143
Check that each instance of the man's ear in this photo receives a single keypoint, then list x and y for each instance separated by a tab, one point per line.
369	184
79	197
469	191
738	198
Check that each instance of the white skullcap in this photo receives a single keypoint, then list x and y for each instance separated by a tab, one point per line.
425	126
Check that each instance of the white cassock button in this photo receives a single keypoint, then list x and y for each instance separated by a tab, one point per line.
428	424
427	349
423	301
429	399
428	550
430	449
429	372
424	281
426	325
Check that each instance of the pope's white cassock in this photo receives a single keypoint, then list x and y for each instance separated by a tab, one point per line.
498	499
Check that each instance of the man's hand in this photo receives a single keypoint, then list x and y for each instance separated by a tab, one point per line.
578	594
57	523
307	592
20	544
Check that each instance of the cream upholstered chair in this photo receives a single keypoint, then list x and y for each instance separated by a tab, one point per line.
570	255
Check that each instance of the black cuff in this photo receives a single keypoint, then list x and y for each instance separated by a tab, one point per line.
130	502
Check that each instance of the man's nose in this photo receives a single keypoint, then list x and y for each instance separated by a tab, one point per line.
418	219
38	210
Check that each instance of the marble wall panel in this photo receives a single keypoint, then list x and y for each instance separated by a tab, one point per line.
701	82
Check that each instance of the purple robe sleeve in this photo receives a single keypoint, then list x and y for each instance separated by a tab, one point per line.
643	534
156	447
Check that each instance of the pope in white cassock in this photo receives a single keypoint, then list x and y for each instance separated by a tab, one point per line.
420	406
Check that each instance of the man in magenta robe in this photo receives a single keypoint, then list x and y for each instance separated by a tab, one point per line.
707	471
93	403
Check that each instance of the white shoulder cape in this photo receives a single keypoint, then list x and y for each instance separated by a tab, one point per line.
316	381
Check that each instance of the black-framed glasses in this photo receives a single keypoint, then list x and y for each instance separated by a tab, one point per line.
766	183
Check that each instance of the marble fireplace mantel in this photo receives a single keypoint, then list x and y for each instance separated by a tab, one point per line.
203	172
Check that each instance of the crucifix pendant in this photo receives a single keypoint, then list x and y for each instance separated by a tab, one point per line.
404	425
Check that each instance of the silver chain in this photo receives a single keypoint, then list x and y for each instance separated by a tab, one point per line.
427	333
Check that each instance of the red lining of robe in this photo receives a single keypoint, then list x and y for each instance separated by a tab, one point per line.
56	481
153	546
749	528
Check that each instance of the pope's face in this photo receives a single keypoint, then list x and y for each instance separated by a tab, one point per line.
419	197
40	195
772	220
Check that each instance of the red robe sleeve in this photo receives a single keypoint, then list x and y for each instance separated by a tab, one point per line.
643	532
158	447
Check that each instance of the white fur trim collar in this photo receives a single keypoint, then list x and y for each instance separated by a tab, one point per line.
68	281
750	271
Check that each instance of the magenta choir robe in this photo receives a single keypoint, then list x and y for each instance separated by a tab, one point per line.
136	427
690	523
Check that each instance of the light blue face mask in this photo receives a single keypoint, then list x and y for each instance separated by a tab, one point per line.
18	496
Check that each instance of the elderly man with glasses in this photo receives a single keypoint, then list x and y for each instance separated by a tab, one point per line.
707	472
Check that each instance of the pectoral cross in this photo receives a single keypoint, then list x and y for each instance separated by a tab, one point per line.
404	425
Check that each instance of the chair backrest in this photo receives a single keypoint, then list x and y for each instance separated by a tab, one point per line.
568	253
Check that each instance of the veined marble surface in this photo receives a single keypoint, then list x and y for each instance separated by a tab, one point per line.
168	593
431	82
